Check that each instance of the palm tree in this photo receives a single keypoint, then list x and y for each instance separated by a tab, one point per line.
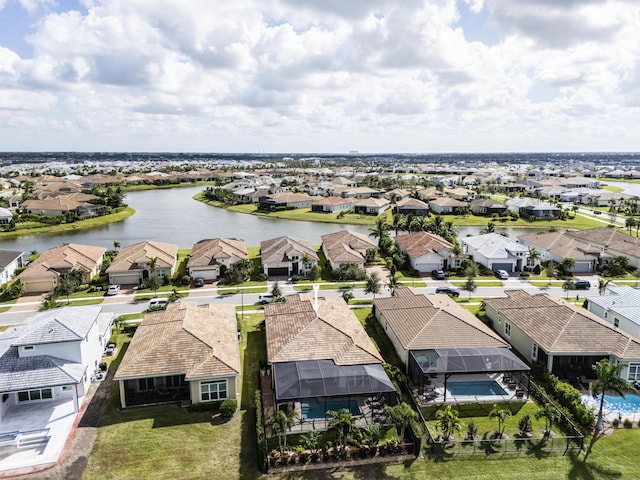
116	245
399	223
153	282
392	284
401	416
311	441
280	423
550	270
470	286
630	222
373	284
533	256
607	379
380	230
568	285
550	415
501	415
489	228
343	423
448	421
602	285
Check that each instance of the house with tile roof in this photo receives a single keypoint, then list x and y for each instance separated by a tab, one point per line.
132	265
486	206
10	261
567	339
557	246
371	206
412	206
188	352
345	246
286	256
619	306
285	200
45	272
447	205
441	343
332	204
211	258
50	359
611	243
496	252
321	358
427	252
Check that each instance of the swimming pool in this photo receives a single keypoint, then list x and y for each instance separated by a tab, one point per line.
312	408
627	406
475	389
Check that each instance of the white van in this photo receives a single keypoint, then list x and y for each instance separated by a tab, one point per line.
265	298
158	304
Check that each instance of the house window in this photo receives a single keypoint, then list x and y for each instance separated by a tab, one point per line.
616	322
213	390
66	388
145	384
173	381
29	347
37	394
634	372
534	351
507	329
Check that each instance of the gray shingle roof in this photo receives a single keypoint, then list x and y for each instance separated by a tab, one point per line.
65	324
22	373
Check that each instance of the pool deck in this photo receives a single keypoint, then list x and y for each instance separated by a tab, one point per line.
434	394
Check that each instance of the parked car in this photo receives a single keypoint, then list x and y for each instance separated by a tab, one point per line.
438	275
502	274
113	289
582	285
265	298
597	212
158	304
452	292
198	282
110	350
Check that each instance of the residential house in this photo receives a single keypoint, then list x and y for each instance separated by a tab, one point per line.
287	256
429	194
440	342
320	358
371	206
447	205
427	252
557	246
611	243
462	194
77	203
533	208
332	204
619	306
6	217
412	206
496	252
132	265
50	359
10	261
285	200
397	194
211	258
567	339
359	192
45	272
345	246
186	353
486	206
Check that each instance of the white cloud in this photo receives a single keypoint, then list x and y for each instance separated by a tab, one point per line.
308	75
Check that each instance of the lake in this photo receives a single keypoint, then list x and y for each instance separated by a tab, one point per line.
173	216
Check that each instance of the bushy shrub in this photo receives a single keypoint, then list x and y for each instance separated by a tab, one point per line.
228	407
627	423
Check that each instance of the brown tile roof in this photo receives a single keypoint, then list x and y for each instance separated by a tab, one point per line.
448	202
346	246
295	332
561	328
410	202
373	202
611	239
561	245
417	244
333	201
72	256
424	322
141	253
281	248
199	341
207	252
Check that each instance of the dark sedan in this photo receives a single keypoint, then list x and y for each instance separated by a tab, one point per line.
452	292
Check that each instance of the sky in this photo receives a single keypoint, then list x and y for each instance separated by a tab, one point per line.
323	76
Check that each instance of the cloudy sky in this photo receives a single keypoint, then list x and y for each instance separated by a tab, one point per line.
326	76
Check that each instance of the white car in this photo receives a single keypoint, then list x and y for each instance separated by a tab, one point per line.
158	304
113	289
502	274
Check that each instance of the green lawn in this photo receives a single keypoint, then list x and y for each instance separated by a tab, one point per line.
484	283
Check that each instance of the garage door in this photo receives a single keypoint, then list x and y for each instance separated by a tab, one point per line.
208	274
427	267
38	286
502	266
124	278
583	267
277	272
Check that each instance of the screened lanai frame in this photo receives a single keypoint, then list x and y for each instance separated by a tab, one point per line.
323	378
425	365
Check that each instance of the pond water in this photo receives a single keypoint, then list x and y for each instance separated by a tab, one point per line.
173	216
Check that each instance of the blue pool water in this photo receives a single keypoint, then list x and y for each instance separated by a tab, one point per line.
475	389
627	406
312	408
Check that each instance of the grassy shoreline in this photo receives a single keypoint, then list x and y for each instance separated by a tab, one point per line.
71	227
